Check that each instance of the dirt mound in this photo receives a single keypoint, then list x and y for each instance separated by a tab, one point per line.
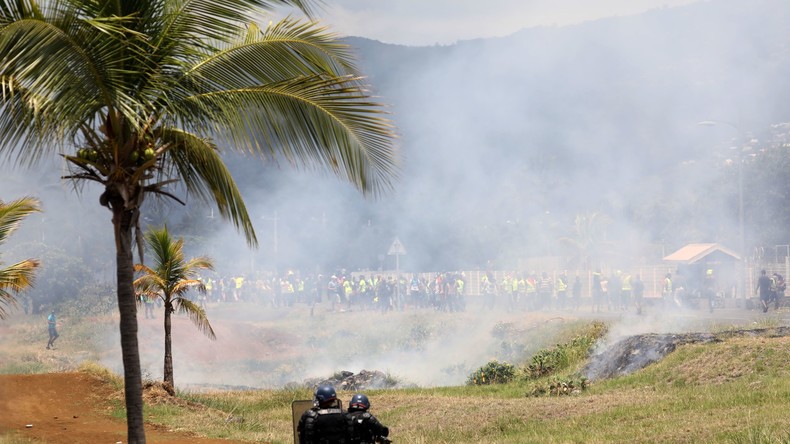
68	408
365	379
636	352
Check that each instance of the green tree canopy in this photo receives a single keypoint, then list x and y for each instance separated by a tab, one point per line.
138	95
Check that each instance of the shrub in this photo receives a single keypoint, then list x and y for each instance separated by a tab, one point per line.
494	372
562	356
559	386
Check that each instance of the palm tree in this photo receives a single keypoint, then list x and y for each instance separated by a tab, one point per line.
170	280
19	276
141	94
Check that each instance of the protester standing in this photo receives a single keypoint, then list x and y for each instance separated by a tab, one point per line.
52	324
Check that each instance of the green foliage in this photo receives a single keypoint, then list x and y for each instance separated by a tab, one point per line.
59	279
18	276
494	372
563	356
93	300
559	385
545	362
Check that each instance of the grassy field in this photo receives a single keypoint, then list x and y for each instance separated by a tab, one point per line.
734	391
737	391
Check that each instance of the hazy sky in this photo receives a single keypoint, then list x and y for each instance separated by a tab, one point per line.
428	22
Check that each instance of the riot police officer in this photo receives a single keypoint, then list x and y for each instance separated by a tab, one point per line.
325	422
365	428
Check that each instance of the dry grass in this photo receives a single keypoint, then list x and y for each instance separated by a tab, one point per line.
730	392
735	391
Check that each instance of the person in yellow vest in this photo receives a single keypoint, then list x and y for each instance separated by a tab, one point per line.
625	293
488	290
348	292
596	290
300	296
460	287
288	292
238	282
210	289
561	287
514	292
531	291
667	292
363	292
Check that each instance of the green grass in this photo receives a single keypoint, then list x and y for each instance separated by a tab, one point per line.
730	392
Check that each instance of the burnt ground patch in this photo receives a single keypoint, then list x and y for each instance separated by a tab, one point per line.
637	352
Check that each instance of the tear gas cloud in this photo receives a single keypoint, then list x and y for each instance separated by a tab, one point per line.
504	142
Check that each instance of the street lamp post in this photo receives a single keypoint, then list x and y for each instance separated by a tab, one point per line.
741	229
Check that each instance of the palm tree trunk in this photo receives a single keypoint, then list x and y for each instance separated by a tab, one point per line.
169	384
127	307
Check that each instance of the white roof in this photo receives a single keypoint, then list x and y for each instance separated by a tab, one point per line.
692	253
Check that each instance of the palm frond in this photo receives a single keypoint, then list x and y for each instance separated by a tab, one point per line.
204	173
149	282
12	214
182	287
315	122
196	314
56	71
285	50
207	20
13	279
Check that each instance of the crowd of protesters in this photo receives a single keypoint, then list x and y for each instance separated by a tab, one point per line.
342	291
452	291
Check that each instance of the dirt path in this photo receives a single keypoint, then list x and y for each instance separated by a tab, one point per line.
70	408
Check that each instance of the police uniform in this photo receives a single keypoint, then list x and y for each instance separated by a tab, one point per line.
323	426
365	428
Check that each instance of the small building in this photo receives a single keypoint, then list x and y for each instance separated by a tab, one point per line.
698	262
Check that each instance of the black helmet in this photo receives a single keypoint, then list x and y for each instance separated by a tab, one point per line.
325	394
359	402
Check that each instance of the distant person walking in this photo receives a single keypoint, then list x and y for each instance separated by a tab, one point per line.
667	292
52	323
764	289
597	291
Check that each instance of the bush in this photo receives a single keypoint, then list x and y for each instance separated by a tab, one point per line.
58	280
562	356
559	386
93	300
494	372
